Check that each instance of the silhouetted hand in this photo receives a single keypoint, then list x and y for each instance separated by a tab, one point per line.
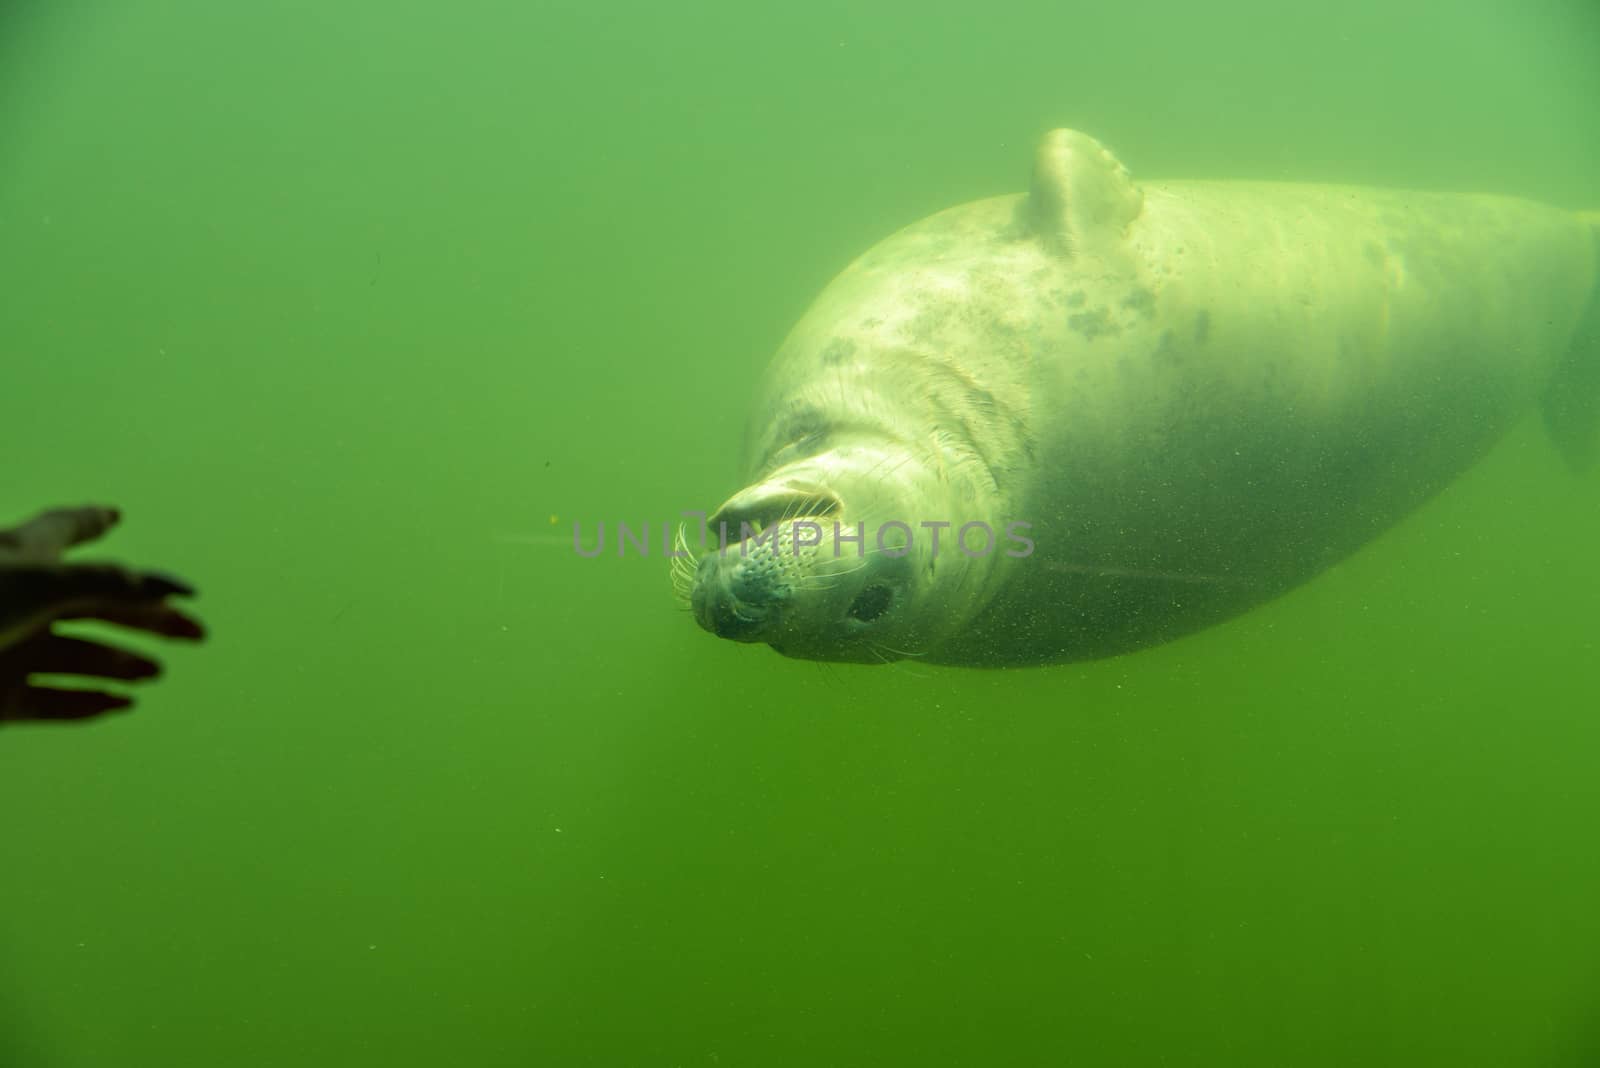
38	588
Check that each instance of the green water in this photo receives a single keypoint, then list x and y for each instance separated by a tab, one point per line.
343	303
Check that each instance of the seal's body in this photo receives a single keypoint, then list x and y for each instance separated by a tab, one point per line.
1193	395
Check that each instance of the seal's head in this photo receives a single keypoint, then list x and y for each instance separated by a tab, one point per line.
898	416
832	558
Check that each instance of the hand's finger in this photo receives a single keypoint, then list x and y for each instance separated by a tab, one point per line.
41	702
32	595
58	584
114	580
153	617
165	584
48	534
59	654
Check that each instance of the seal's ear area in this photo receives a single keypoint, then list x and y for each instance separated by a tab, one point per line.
1082	196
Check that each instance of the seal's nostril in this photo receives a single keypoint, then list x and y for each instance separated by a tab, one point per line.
871	603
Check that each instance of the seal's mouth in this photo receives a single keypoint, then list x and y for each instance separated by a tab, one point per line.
742	595
742	616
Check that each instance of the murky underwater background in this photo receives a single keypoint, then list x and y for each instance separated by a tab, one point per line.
355	307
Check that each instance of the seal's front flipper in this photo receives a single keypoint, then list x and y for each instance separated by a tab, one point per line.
1571	401
1082	199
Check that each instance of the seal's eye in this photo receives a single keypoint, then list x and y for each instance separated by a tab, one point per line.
871	603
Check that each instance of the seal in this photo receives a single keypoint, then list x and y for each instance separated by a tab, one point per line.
1101	415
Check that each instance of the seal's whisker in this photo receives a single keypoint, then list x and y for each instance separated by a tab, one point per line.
815	582
823	582
832	579
876	649
683	569
900	652
876	470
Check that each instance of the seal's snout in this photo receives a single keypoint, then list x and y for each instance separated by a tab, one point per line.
737	597
803	598
792	569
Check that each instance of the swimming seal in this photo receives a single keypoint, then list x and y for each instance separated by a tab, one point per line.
1101	415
